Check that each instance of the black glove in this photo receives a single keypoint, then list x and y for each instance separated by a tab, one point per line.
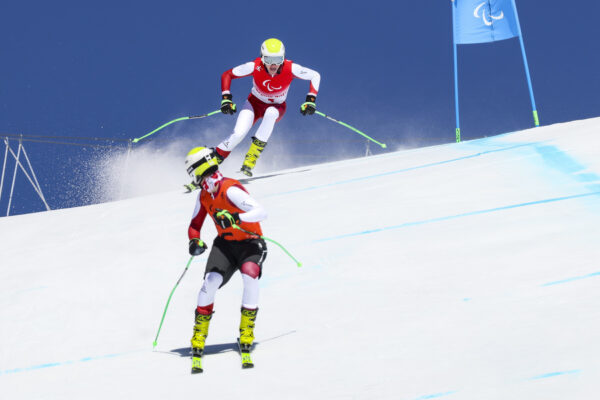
308	107
197	247
225	219
228	106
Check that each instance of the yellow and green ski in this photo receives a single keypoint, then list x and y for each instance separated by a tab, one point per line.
245	351
197	361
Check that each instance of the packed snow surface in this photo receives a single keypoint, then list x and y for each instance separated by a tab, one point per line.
459	271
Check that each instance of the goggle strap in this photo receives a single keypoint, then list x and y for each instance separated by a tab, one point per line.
196	165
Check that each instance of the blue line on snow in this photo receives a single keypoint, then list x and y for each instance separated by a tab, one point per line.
399	171
553	374
561	161
575	278
587	177
558	159
427	221
57	364
593	188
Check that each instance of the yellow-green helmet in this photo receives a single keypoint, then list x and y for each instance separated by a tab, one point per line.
272	51
200	162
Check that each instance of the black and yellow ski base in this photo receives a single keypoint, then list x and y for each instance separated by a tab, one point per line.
245	354
197	361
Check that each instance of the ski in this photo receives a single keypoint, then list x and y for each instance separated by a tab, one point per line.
246	171
245	354
190	187
197	361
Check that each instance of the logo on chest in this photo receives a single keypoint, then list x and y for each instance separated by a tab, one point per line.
267	83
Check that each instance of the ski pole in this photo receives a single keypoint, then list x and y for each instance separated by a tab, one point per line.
176	120
169	300
298	263
383	145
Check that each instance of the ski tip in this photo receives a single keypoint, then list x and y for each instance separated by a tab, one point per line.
196	363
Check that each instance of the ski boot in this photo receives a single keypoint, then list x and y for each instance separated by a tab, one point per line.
247	328
247	336
198	339
252	155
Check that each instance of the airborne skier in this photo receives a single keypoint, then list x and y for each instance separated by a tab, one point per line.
229	204
272	75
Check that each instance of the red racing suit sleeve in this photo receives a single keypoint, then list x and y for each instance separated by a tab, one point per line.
197	221
238	72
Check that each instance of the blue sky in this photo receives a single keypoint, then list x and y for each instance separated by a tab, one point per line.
120	69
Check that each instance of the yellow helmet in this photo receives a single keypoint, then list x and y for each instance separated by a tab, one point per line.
200	162
272	51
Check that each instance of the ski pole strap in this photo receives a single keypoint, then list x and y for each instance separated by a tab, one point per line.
383	145
173	121
169	300
298	263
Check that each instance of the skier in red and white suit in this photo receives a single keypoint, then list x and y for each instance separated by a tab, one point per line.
272	75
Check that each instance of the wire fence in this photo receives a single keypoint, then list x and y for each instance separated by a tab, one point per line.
46	172
57	159
81	170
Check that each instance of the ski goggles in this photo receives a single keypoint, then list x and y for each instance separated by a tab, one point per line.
270	60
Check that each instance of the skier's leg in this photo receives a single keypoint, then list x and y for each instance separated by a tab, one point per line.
250	272
206	297
251	269
259	141
268	123
243	124
204	310
217	272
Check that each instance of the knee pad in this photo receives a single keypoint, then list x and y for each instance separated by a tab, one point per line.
251	269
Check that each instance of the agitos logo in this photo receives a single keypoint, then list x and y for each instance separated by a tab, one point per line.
486	14
267	84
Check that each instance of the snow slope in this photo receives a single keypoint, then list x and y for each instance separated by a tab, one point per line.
460	271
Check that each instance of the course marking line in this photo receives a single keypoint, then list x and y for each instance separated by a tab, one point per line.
449	217
399	171
553	374
58	364
575	278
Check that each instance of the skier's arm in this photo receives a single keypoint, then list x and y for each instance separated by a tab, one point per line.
307	74
238	72
253	212
197	221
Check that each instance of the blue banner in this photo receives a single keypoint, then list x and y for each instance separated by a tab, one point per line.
482	21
